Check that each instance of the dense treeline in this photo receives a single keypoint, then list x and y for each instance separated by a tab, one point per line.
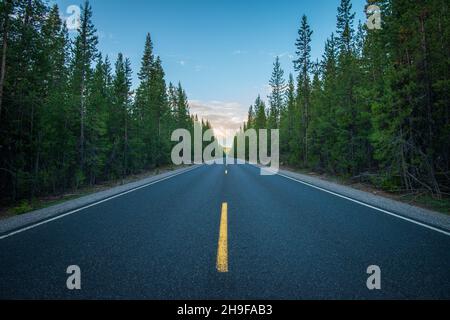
69	117
376	107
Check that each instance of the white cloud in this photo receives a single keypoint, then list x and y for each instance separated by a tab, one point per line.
225	117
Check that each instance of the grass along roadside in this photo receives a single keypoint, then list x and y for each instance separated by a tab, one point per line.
25	206
422	200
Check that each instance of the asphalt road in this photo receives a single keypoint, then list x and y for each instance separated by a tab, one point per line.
283	240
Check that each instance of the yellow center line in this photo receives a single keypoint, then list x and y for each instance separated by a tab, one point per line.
222	250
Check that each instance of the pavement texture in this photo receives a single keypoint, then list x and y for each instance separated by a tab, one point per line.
286	240
17	222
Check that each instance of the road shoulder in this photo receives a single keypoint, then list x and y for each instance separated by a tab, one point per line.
432	218
22	221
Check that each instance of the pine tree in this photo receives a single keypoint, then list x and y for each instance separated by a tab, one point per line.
418	117
58	143
160	114
303	66
287	120
260	118
97	113
65	123
22	97
151	103
182	117
119	118
260	114
377	107
147	62
351	153
276	98
345	31
314	127
84	54
325	118
250	119
6	9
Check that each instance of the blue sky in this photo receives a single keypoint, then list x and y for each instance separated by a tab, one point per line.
221	51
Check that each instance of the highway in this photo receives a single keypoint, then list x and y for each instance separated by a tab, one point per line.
226	232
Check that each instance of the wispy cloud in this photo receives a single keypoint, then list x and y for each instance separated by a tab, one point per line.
238	52
281	55
198	68
285	55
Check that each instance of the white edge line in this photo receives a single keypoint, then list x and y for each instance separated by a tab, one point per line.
362	203
367	205
92	205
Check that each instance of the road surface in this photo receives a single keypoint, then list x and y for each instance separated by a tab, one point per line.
221	232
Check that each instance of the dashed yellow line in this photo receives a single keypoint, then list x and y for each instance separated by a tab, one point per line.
222	250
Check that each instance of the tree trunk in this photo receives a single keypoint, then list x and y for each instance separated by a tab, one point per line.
125	148
4	51
429	103
82	113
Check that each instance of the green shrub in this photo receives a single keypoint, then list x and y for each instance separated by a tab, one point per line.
23	207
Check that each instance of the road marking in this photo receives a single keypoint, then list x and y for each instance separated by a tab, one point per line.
92	205
222	250
368	205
